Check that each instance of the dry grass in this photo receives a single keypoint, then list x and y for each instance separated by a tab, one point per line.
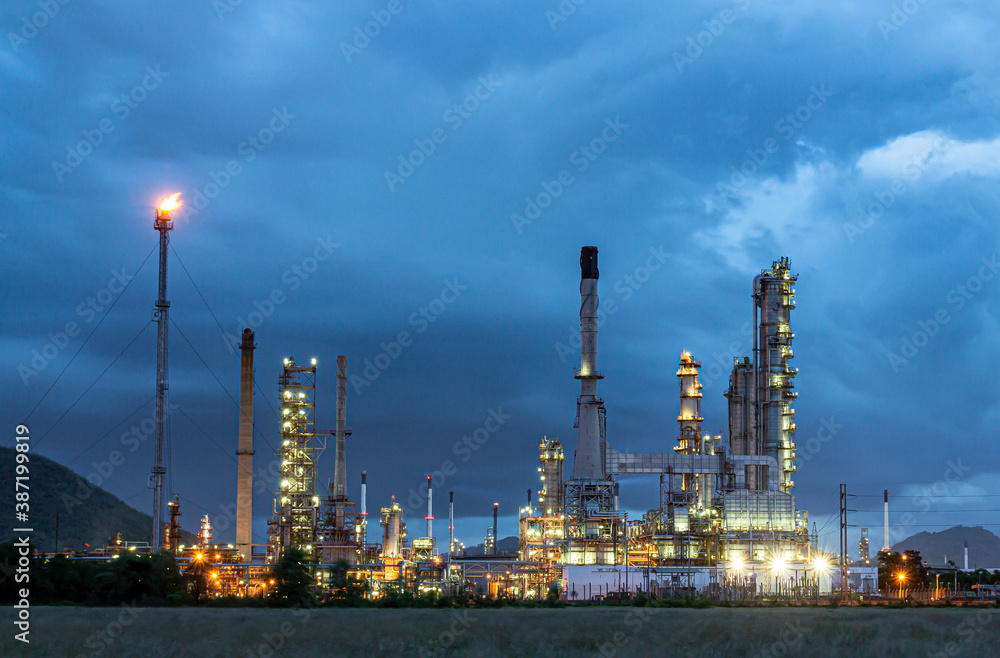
507	632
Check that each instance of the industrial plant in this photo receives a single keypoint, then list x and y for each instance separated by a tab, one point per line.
724	522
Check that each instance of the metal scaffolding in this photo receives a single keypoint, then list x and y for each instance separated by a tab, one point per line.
296	503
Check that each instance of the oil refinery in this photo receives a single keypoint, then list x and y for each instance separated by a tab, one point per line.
723	523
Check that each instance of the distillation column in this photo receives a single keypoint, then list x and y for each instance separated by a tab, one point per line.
550	469
742	439
774	298
296	504
244	451
689	419
340	456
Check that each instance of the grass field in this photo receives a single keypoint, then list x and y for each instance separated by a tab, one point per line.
154	632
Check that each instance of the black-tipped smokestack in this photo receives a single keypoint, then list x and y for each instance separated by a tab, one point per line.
588	263
529	497
496	507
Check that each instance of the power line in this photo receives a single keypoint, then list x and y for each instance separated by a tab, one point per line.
267	401
87	449
125	349
135	495
207	435
212	372
87	340
933	496
930	511
947	525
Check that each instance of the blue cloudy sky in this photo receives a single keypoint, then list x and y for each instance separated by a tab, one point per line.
859	138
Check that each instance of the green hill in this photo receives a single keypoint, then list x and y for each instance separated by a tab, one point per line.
984	546
87	514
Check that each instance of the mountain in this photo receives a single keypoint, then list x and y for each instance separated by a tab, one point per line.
984	546
87	514
506	546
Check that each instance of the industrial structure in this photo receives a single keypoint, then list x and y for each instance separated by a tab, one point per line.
724	520
244	451
163	223
725	506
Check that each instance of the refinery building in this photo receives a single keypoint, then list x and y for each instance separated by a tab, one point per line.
724	522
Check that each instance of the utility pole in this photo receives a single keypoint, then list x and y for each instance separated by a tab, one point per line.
843	541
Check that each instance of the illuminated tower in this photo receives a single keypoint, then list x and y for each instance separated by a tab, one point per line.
689	419
774	299
590	513
162	223
550	469
205	533
740	396
296	504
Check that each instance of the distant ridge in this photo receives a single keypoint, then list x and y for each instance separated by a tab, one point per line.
87	514
984	546
506	545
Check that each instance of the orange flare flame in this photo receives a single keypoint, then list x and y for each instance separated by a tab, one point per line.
170	202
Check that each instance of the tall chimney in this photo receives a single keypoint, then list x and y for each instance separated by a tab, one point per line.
430	508
340	460
966	567
587	464
244	451
364	507
496	507
451	527
885	519
364	493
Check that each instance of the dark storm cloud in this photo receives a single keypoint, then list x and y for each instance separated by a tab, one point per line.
830	86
